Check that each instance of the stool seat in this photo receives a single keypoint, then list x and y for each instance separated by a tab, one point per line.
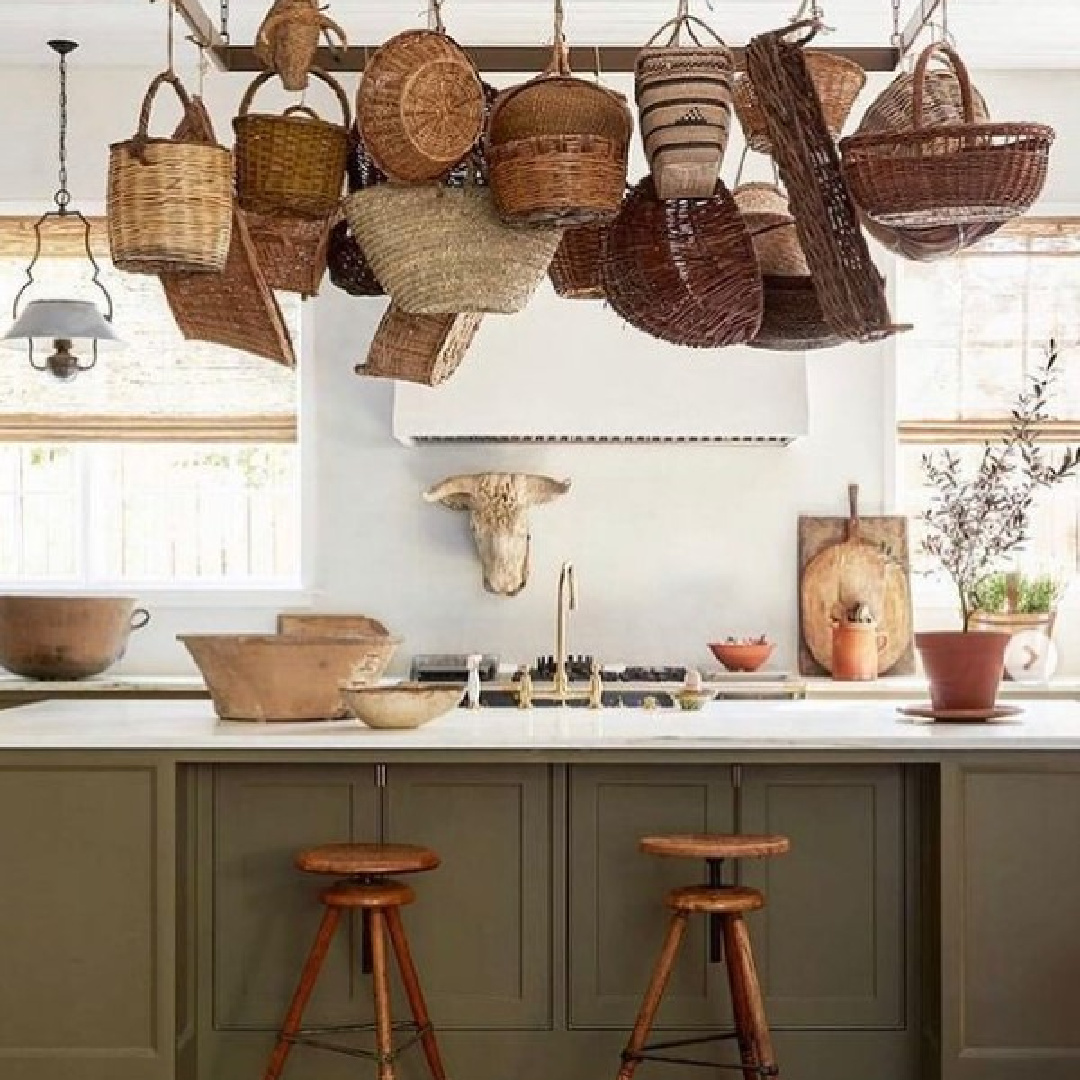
715	846
348	894
350	860
725	900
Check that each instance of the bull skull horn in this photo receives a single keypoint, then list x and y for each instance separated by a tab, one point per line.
456	492
543	489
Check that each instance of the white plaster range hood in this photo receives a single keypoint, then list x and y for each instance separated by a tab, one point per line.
571	371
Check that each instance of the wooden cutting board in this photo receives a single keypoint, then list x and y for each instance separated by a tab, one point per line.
846	561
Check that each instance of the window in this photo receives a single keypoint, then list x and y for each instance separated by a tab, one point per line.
171	464
983	321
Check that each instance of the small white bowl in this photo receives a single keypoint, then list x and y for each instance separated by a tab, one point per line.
403	705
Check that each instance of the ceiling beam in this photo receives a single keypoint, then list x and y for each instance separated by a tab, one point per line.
919	21
202	28
530	58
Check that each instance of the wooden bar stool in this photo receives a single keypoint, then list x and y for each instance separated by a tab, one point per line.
366	884
725	905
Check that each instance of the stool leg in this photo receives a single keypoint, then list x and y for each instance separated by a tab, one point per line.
380	974
308	977
654	994
411	982
751	1025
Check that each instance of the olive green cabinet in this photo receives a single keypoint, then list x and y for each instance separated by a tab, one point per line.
1010	920
87	906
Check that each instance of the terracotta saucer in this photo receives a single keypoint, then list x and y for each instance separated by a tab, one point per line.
928	713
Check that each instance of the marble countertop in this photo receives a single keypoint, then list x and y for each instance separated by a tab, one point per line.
722	726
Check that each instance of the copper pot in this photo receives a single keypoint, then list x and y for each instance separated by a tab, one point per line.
66	637
856	651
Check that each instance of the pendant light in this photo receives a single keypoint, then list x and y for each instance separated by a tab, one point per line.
57	326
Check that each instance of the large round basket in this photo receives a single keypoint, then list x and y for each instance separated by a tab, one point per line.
575	270
170	202
764	208
837	80
439	250
683	270
557	148
425	349
293	163
932	244
792	320
420	106
683	96
949	174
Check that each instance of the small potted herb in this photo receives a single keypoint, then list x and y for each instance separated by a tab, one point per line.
976	519
1011	602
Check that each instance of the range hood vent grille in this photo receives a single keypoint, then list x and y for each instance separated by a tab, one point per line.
622	440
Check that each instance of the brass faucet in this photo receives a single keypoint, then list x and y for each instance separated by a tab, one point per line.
566	602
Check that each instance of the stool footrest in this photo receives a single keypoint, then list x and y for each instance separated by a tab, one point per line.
653	1052
310	1036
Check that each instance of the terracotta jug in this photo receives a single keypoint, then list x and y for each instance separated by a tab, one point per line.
856	649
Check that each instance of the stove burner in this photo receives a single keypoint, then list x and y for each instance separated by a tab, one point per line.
579	667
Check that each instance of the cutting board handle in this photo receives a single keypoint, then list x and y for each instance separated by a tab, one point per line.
853	512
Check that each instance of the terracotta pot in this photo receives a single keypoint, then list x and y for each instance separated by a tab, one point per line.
856	651
964	669
65	637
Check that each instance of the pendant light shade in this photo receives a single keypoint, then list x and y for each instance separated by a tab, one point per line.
46	321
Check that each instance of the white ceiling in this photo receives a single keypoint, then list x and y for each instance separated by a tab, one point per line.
990	33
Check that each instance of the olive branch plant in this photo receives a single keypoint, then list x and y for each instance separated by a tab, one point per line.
978	516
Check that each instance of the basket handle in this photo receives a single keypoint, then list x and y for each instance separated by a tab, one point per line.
264	77
952	57
307	110
138	143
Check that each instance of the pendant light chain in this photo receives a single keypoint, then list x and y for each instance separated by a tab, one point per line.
224	29
62	198
897	38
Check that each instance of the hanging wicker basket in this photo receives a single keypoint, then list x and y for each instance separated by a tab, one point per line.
929	245
792	319
439	250
293	163
950	174
837	82
558	146
765	211
170	202
683	270
420	106
291	251
575	270
683	95
425	349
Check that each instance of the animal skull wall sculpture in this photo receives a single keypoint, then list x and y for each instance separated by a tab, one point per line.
288	39
498	505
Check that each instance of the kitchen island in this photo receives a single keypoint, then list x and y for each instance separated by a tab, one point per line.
923	924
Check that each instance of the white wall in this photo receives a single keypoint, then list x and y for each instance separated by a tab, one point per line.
674	545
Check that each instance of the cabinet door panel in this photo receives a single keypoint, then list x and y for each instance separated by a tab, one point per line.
86	908
265	912
481	927
617	913
830	942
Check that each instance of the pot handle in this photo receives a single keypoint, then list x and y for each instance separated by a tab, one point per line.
139	618
882	641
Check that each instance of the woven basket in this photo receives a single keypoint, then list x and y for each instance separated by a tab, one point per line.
929	245
420	106
288	38
557	148
235	307
424	349
836	80
792	320
170	203
440	250
349	270
291	251
894	108
683	95
683	270
575	270
765	211
849	287
293	163
951	174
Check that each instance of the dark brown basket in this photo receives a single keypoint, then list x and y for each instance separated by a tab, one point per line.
792	320
683	270
420	106
951	174
291	251
929	245
575	270
293	163
849	287
236	307
424	349
349	270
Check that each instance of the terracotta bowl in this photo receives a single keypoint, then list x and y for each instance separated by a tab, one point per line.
266	677
65	637
406	705
742	657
